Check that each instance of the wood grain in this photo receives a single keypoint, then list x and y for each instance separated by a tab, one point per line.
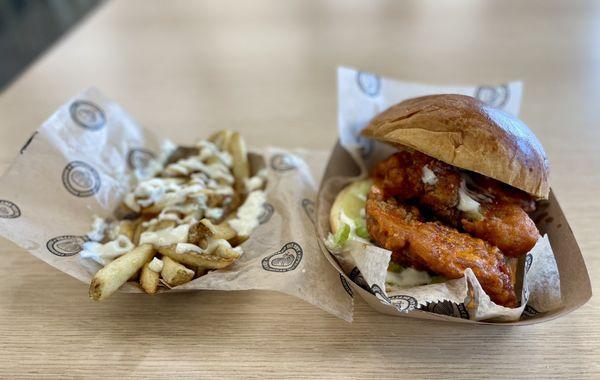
267	69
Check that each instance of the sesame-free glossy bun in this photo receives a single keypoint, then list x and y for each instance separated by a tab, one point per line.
466	133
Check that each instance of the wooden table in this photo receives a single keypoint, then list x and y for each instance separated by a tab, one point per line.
267	68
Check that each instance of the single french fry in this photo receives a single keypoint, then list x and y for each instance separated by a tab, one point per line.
139	228
237	240
127	228
162	225
110	278
226	252
174	273
204	260
124	212
149	279
201	271
221	139
198	233
152	210
241	168
182	152
219	231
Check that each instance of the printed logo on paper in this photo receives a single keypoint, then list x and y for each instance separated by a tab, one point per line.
369	84
358	279
496	96
376	290
87	115
528	262
9	210
139	158
66	245
81	179
448	308
284	260
404	303
266	213
346	285
29	140
309	209
529	312
283	162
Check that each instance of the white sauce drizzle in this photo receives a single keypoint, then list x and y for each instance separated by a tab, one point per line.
167	236
465	202
428	177
156	265
105	253
246	219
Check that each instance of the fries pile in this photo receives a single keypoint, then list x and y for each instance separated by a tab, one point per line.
186	216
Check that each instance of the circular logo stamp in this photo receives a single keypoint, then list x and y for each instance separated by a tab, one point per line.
282	162
266	213
309	209
87	115
81	179
66	245
369	84
29	140
530	312
404	303
358	279
139	158
496	96
346	285
9	210
284	260
448	308
378	292
528	262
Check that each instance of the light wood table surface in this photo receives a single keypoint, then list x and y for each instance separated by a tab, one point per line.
267	68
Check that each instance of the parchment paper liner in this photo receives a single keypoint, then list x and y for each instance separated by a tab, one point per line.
80	163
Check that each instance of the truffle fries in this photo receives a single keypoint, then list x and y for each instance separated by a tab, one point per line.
188	214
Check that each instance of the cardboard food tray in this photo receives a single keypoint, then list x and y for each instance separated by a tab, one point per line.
574	280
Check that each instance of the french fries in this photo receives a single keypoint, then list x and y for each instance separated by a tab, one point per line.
183	212
220	258
174	273
241	168
110	278
150	276
219	231
127	228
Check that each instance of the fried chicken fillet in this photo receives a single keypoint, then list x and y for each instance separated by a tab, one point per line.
437	248
504	221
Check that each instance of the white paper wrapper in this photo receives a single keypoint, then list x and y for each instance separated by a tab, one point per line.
80	164
362	96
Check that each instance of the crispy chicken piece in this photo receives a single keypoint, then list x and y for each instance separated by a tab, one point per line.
505	225
505	222
502	193
437	248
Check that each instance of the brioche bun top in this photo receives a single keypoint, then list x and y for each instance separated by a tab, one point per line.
464	132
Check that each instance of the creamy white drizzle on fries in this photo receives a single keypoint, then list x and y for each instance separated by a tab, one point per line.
187	215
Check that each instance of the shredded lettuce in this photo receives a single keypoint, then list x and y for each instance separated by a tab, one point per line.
341	236
395	267
361	230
